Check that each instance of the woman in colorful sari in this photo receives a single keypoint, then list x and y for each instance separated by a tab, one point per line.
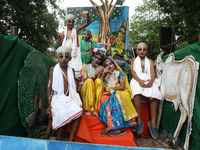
86	45
115	108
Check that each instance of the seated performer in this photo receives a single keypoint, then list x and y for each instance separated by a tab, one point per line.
86	44
142	83
92	87
64	109
115	108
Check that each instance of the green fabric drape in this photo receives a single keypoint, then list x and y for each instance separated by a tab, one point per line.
170	118
13	52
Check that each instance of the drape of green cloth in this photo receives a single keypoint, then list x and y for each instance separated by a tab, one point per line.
13	52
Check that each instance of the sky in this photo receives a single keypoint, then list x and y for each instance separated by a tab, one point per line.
86	3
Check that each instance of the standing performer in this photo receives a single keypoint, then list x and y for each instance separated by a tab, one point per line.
70	36
86	45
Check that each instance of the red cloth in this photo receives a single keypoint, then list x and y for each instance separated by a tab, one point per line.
89	131
145	116
90	128
83	134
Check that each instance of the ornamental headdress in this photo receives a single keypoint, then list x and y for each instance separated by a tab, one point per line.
99	50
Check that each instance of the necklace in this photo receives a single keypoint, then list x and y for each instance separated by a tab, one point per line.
86	46
142	64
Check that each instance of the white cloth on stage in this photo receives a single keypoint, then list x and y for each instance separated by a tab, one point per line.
64	108
152	92
75	62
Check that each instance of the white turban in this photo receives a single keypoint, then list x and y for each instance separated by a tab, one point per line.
69	17
64	49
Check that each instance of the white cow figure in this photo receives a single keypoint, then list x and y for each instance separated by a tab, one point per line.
178	85
159	63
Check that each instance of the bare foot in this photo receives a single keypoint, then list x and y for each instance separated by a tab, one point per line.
52	138
87	114
94	113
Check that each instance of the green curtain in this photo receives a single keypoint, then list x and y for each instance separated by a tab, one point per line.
13	52
170	118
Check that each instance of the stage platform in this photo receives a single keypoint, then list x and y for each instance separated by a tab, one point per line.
18	143
90	128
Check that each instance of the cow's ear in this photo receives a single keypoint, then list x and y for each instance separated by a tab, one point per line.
170	59
161	53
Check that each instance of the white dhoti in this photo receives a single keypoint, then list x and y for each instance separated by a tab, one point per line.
64	110
152	92
76	63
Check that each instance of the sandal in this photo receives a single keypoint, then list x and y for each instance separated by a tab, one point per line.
105	132
140	128
116	133
153	131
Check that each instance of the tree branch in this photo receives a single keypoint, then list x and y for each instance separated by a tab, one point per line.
111	10
103	2
97	7
111	2
93	3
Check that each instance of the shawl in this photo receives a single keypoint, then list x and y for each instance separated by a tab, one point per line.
74	43
58	81
138	68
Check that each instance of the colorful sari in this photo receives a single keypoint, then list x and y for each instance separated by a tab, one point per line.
115	108
86	47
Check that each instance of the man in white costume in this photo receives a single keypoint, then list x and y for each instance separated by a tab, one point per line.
64	109
143	84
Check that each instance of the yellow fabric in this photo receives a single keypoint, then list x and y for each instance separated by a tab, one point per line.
127	86
113	53
90	93
127	107
83	70
124	98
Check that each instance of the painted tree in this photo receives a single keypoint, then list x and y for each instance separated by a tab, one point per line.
105	12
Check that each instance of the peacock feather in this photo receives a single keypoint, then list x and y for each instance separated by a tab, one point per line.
32	97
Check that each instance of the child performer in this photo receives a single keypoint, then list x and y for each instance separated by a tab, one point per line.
86	45
142	84
115	108
93	86
64	109
70	35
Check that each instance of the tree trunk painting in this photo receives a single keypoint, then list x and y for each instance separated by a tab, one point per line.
105	12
